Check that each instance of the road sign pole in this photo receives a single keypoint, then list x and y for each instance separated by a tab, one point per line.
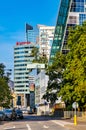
75	118
75	106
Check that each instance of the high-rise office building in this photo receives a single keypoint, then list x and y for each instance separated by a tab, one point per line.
71	13
22	57
45	39
31	33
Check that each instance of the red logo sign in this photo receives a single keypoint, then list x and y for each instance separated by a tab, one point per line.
22	43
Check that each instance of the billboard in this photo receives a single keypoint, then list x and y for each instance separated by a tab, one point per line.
36	65
32	87
32	96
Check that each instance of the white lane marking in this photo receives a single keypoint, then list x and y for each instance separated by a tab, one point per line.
29	128
59	123
44	126
62	123
8	128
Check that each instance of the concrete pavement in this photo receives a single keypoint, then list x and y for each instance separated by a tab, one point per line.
66	123
69	123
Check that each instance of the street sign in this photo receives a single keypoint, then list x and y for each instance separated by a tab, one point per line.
35	65
75	105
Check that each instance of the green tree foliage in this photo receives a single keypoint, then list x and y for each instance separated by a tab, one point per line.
55	72
74	77
43	59
5	94
39	58
67	74
2	66
35	53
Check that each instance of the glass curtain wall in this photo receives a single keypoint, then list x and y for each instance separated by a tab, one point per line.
71	13
77	16
60	27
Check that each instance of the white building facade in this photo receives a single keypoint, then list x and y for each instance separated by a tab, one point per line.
22	57
41	82
45	39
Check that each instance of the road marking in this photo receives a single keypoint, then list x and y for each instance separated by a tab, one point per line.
59	123
8	128
62	123
29	128
44	126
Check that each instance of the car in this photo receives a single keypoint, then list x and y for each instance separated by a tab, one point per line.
2	116
19	114
24	111
10	114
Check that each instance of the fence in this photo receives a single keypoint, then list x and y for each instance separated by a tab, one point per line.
68	114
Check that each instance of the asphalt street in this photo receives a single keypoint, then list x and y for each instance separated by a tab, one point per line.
33	123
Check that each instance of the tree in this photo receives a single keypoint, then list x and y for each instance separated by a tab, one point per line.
55	72
5	94
39	58
2	67
74	78
35	53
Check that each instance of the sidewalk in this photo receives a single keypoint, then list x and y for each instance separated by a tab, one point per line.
81	124
69	123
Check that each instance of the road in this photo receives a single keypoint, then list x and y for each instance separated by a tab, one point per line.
33	123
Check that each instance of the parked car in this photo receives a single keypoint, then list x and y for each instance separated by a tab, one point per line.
2	116
10	113
19	113
24	111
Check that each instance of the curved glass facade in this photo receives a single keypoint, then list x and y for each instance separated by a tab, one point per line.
77	6
71	13
60	27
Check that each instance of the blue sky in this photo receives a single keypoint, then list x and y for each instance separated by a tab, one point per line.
13	16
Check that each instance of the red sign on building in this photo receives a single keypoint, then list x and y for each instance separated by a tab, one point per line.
22	43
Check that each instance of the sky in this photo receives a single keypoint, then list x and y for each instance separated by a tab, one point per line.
13	16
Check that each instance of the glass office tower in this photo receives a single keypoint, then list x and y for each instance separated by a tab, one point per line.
71	13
